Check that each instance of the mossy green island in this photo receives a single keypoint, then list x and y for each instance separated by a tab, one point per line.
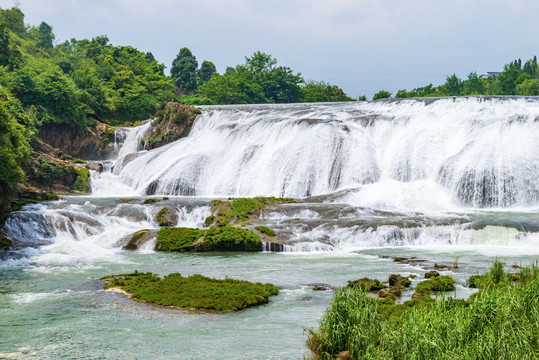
500	321
226	238
195	292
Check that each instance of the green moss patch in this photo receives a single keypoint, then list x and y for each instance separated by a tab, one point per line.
150	201
367	284
134	242
436	284
241	209
82	182
177	239
226	238
265	230
4	242
194	292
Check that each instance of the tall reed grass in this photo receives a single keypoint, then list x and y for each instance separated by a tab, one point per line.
501	321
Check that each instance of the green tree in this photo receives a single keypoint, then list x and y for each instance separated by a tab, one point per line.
530	67
453	86
508	79
320	91
206	72
474	85
14	150
184	70
382	94
528	87
224	89
46	36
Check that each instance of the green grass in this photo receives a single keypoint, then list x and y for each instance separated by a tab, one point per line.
500	322
226	238
194	292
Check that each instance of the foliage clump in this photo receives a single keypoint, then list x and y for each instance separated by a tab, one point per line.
195	292
500	321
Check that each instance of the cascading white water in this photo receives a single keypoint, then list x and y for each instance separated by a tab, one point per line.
463	152
432	157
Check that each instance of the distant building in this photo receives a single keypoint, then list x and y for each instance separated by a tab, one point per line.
493	74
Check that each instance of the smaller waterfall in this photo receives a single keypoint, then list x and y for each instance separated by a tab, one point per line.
133	138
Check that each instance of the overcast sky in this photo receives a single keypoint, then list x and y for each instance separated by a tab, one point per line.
360	45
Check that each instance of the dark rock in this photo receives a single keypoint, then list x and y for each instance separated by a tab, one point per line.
95	167
87	143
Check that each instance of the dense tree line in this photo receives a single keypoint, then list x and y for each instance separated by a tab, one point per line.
258	80
73	83
515	79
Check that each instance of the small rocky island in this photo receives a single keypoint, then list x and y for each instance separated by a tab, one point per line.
195	292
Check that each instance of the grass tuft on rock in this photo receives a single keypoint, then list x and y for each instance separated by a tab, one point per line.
195	292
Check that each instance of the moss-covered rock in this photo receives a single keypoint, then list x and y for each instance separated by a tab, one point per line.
242	209
398	280
194	292
177	239
4	242
440	283
431	274
138	239
150	201
82	182
172	123
265	230
228	238
166	217
367	284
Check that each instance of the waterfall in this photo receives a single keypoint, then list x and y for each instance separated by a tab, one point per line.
462	152
460	172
